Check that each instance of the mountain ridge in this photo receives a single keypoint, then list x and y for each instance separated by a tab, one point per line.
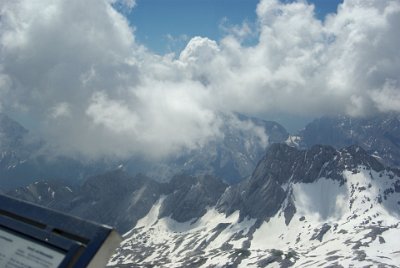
357	206
302	205
379	135
310	204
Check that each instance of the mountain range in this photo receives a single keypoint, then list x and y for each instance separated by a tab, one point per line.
320	206
339	211
24	158
233	156
378	135
304	204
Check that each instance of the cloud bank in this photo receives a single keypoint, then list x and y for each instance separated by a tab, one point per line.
75	69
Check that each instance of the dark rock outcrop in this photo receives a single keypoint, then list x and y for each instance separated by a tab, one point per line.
190	197
378	135
262	195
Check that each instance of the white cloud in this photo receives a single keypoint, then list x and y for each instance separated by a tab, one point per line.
305	66
113	115
241	32
75	67
199	51
123	5
61	109
175	43
248	126
387	99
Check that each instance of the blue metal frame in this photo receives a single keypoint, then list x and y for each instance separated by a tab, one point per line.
78	239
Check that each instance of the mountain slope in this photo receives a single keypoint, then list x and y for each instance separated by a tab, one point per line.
13	149
24	159
113	198
379	135
118	199
318	207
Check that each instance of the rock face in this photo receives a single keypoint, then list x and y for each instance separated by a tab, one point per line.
379	135
54	194
190	197
13	149
262	194
116	199
120	200
11	133
113	198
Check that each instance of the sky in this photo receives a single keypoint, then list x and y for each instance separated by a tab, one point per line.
166	25
117	78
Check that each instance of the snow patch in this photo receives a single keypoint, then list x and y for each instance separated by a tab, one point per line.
323	200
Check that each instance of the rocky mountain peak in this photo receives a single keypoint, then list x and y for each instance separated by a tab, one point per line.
47	193
10	129
191	196
262	195
321	207
379	135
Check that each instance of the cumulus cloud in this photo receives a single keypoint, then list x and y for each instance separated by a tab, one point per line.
387	99
302	65
75	68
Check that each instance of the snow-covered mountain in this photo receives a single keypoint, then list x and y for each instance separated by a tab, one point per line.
320	207
379	135
306	208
